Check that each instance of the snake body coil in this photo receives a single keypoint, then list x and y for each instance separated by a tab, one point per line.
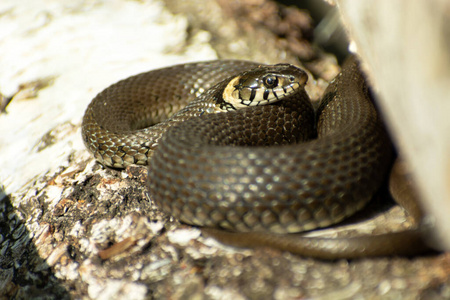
263	169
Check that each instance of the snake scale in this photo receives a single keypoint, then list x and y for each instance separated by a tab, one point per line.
237	148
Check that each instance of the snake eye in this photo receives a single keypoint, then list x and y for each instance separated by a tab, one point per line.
270	81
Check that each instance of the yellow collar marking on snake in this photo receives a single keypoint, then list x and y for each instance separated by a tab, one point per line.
230	91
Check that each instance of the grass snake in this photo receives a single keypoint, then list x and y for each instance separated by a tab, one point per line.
236	145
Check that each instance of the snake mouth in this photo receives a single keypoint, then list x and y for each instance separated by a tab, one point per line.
263	85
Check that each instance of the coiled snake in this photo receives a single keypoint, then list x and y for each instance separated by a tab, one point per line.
263	168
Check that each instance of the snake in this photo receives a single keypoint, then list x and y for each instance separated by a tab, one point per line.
237	148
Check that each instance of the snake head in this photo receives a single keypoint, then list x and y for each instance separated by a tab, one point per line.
263	85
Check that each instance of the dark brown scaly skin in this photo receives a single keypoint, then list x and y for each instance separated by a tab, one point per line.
116	123
202	174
